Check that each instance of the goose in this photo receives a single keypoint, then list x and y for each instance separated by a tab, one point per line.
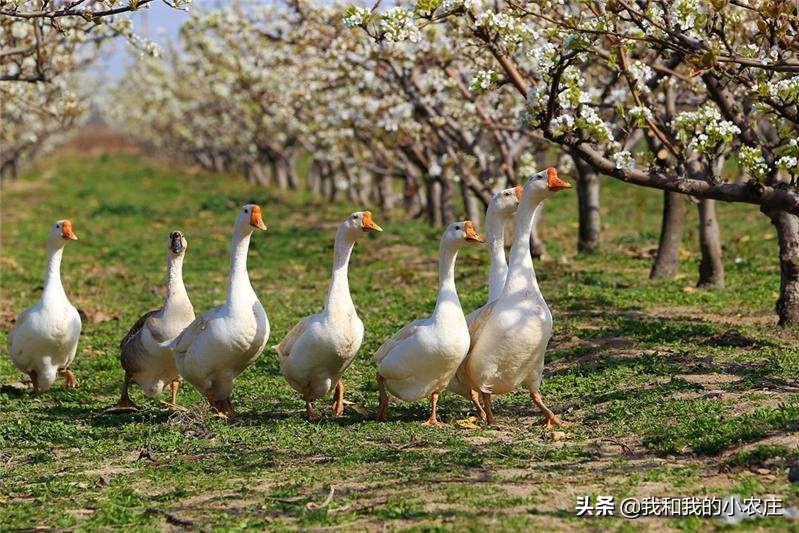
421	358
510	334
142	354
44	338
316	352
500	210
218	345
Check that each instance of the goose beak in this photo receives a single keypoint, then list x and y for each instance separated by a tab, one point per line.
367	224
66	231
256	220
471	234
176	242
519	191
554	183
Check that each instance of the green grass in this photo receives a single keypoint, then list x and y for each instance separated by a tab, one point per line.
669	390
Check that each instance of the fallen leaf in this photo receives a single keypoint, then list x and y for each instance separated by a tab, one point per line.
357	407
689	288
559	435
467	423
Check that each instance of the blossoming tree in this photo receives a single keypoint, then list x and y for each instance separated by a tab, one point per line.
654	93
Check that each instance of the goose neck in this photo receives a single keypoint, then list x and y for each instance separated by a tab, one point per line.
447	300
339	293
497	262
521	273
52	275
239	288
175	289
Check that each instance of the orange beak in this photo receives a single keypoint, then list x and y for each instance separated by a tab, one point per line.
66	231
256	220
367	224
554	183
519	191
471	234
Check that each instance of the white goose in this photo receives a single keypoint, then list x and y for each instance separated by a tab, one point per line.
421	358
510	334
218	345
44	338
144	357
500	210
317	351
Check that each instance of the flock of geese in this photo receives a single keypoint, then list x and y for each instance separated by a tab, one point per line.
492	351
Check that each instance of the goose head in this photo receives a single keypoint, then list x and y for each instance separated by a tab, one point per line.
504	203
360	222
460	234
249	219
60	233
177	244
543	184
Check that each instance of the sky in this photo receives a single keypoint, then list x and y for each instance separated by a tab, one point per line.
159	23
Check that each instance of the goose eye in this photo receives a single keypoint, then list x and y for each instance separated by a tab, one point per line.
57	226
354	217
457	227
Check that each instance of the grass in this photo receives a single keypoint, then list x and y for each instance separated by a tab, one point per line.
670	391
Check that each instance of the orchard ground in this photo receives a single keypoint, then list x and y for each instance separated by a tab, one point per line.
669	390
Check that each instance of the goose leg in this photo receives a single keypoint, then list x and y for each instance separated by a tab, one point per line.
228	406
433	420
217	406
69	378
475	398
338	399
550	417
487	406
174	386
310	413
382	411
125	404
35	379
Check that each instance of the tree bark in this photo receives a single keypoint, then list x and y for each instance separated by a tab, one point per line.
447	198
385	194
588	207
668	254
434	215
471	204
711	266
280	174
787	226
314	179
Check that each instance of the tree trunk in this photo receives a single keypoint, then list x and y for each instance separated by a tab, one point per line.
385	193
411	198
280	174
588	207
291	174
314	179
434	216
668	253
471	204
447	198
787	226
711	267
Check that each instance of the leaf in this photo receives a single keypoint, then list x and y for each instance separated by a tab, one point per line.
467	423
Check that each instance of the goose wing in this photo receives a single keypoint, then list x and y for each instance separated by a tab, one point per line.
284	347
182	343
21	318
476	321
397	338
